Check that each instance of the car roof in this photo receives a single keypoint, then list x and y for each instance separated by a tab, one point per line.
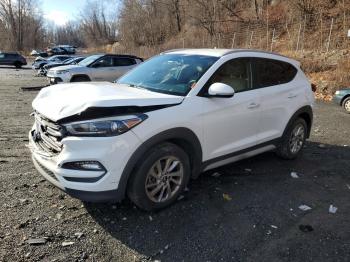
120	55
217	52
62	56
222	52
9	53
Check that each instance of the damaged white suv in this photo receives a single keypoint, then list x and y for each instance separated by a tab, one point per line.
166	121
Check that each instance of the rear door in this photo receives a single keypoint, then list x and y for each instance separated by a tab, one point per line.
121	65
279	95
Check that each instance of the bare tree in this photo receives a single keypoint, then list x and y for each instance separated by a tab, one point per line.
20	20
98	27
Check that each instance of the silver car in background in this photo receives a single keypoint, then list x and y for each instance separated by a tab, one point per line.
101	67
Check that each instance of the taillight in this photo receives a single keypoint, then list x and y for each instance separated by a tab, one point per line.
313	87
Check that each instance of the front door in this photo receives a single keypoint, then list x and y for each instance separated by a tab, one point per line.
103	69
231	124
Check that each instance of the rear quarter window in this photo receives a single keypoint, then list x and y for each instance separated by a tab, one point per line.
269	72
123	61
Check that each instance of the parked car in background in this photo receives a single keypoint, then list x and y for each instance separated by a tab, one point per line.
38	64
38	53
12	59
61	50
166	121
342	98
70	61
101	67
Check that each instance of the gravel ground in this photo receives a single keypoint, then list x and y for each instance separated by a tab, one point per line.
249	212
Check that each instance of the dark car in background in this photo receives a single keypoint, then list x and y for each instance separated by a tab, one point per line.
342	98
12	59
39	63
61	50
71	61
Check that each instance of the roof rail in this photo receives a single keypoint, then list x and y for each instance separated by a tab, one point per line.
254	51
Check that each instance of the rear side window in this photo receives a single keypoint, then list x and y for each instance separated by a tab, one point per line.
269	72
105	61
123	61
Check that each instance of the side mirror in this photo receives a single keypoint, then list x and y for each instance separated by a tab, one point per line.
221	90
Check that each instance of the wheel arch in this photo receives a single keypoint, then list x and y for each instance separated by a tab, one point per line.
182	137
305	113
80	75
343	99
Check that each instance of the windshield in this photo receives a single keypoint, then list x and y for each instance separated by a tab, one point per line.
90	59
172	74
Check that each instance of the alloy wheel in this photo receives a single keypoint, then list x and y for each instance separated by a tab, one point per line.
297	138
164	179
347	106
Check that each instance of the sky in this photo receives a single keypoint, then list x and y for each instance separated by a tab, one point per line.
61	11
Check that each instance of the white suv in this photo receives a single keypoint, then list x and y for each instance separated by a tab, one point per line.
166	121
102	67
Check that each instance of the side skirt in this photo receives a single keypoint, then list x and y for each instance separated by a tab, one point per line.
239	155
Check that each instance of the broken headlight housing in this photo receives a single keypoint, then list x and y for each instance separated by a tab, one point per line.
103	127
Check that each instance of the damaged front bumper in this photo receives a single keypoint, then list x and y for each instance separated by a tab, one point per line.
87	185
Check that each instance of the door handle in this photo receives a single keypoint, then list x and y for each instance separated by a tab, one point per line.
253	105
292	95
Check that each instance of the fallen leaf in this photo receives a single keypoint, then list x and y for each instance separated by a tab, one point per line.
226	197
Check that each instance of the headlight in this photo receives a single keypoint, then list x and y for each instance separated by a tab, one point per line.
337	92
62	72
103	127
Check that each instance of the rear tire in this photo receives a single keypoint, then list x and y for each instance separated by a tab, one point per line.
161	175
80	79
18	65
346	105
293	140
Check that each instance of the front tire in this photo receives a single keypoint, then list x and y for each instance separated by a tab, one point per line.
80	79
160	177
293	140
346	105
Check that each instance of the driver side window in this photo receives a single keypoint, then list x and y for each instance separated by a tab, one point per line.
235	73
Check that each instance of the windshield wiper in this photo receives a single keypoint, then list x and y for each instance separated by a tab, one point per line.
137	86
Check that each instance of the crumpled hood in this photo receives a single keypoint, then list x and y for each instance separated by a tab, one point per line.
63	100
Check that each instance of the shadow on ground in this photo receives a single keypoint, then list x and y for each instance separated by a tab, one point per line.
260	223
14	68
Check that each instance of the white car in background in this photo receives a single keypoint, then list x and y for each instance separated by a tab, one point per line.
166	121
101	67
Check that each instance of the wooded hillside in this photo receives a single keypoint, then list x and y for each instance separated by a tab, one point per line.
314	31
